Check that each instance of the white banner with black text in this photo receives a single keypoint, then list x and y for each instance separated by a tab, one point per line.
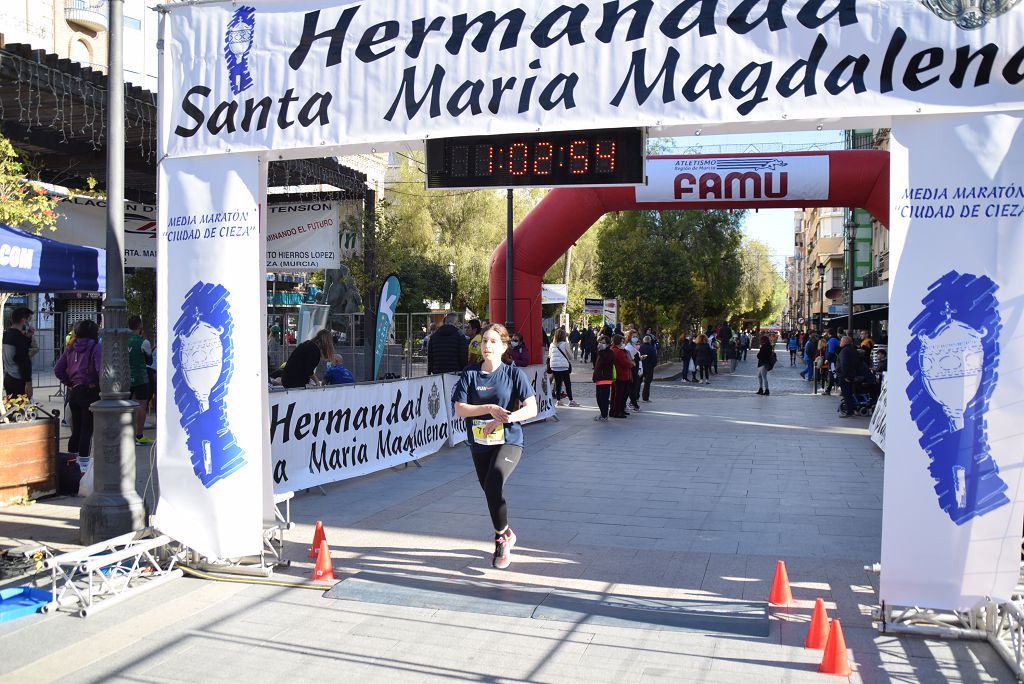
293	74
210	285
954	421
301	236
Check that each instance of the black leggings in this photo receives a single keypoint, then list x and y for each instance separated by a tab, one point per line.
604	396
562	378
82	397
493	465
705	371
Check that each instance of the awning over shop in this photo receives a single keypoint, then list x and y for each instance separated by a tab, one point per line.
30	263
862	317
879	294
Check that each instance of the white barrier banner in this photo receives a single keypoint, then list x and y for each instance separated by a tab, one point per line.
456	425
876	428
339	432
301	236
951	528
285	74
736	179
210	286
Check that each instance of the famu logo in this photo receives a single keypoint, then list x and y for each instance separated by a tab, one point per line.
237	45
969	14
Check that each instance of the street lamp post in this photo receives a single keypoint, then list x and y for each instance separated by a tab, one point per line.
451	285
821	299
114	507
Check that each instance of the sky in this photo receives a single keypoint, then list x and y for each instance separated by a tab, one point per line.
774	227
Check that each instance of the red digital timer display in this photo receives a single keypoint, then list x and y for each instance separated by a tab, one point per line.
598	157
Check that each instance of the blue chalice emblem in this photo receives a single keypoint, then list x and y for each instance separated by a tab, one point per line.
238	39
202	356
952	358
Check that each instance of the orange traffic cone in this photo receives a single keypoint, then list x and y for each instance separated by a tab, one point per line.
817	635
834	661
318	536
781	595
324	570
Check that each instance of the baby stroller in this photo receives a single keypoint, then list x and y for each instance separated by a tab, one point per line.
865	396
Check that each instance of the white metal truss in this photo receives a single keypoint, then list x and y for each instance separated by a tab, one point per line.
100	575
1001	625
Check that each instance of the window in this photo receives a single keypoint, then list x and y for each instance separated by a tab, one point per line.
80	52
133	23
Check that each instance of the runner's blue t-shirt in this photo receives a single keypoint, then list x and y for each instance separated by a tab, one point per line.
507	386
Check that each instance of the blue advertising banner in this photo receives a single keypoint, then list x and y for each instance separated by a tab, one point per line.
389	294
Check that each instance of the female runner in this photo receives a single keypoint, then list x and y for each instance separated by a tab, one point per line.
494	396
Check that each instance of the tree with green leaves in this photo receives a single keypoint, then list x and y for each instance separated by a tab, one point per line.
23	204
762	291
670	267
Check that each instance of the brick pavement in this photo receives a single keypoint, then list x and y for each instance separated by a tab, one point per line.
694	497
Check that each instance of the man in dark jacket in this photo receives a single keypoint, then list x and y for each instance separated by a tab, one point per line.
446	349
17	362
849	369
649	359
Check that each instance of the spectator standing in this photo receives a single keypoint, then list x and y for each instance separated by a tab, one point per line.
17	362
79	368
649	358
633	349
574	342
810	348
604	377
765	360
561	367
623	378
447	348
703	354
792	345
139	351
849	366
474	332
687	349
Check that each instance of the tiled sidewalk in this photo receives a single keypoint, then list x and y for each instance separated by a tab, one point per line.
696	497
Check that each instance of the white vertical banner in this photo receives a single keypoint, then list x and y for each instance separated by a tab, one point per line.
953	514
212	445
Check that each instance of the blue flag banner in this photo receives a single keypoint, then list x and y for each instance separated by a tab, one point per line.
389	294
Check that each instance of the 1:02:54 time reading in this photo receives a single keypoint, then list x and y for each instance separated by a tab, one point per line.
600	157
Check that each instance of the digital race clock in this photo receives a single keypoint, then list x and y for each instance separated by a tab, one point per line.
598	157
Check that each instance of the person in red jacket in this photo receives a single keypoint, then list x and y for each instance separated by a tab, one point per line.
623	377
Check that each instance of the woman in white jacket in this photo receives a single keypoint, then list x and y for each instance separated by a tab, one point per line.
558	362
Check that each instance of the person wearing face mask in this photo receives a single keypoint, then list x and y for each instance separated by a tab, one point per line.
633	349
518	352
604	376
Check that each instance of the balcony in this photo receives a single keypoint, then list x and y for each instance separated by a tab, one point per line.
89	14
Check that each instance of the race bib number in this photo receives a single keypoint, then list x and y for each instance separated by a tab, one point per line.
497	436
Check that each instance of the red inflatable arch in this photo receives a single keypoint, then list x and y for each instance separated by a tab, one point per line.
857	178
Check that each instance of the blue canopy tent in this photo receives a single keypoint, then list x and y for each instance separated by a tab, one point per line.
30	263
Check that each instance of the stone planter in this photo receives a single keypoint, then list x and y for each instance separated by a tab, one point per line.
28	460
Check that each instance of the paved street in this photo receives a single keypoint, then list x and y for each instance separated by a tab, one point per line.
695	497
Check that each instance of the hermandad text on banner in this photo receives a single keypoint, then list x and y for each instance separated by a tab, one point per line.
336	433
268	75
